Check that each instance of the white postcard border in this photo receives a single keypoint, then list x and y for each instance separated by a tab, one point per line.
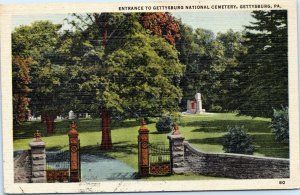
138	186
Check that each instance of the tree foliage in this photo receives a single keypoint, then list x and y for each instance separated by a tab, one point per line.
121	69
280	124
264	69
211	66
21	82
138	76
30	45
161	24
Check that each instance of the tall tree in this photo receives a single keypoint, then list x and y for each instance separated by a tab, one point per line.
233	49
134	75
100	34
264	69
21	81
211	66
197	49
37	42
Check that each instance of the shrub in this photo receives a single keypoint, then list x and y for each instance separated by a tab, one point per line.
178	119
216	108
236	140
280	124
164	124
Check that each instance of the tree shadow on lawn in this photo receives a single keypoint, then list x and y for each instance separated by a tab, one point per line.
118	147
54	148
211	141
265	144
28	129
221	125
157	132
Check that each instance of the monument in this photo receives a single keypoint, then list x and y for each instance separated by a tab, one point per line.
195	106
71	115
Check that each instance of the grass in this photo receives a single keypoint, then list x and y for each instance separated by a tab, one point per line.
205	132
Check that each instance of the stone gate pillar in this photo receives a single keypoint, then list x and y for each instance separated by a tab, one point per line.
177	150
143	146
38	159
74	154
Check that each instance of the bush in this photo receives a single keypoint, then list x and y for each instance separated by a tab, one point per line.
280	124
236	140
216	108
178	119
164	124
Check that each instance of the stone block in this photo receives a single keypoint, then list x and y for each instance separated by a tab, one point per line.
178	164
178	148
178	159
38	162
37	150
39	180
177	142
38	168
181	170
39	174
38	156
177	154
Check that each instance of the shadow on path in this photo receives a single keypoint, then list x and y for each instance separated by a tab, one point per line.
101	167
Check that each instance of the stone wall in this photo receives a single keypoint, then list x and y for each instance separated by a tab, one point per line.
22	167
234	165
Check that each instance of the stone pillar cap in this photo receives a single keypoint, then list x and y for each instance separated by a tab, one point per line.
170	136
37	144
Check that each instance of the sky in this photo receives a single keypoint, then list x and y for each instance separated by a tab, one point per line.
214	21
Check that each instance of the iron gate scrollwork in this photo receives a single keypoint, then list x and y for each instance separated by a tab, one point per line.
65	166
153	159
160	161
57	166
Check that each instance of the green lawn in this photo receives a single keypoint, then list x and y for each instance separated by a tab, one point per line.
202	131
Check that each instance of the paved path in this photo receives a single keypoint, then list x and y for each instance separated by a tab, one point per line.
99	168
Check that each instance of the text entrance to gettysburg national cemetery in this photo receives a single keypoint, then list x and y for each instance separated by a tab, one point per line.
150	96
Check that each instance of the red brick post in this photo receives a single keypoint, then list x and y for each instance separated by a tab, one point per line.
74	154
143	142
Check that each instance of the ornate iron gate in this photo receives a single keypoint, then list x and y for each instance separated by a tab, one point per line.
153	159
160	162
57	166
65	166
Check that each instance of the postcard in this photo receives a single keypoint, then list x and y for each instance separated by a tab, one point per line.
150	96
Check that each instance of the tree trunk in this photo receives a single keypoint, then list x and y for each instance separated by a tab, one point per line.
43	117
50	124
106	143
